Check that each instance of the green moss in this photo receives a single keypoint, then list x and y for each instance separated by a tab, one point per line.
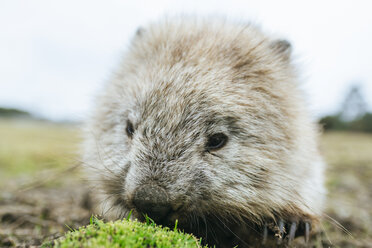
124	233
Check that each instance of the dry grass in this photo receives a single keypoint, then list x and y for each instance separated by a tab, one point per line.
349	183
31	149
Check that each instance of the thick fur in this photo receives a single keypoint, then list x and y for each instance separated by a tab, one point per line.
182	80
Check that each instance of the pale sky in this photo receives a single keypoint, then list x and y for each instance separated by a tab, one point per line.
56	55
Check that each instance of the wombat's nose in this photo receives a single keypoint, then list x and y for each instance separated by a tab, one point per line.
152	200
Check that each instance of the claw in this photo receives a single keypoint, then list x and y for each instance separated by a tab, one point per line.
264	235
307	232
281	232
292	232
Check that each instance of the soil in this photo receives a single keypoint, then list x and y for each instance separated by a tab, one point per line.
30	217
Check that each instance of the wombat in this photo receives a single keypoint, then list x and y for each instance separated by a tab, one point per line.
204	123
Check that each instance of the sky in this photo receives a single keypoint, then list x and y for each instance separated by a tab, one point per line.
55	56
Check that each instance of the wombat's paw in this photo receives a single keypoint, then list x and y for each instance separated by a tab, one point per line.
284	232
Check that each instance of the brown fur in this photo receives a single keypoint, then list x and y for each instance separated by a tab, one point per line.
181	81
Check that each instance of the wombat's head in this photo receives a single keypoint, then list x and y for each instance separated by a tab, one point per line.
202	124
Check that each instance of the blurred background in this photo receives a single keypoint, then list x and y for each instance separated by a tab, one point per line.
56	55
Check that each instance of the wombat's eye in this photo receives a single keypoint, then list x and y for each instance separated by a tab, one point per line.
216	141
129	129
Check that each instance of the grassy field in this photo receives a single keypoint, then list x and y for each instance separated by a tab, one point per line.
31	149
41	191
349	184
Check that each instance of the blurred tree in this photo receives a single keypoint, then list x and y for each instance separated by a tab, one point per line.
330	122
363	124
354	106
353	115
10	112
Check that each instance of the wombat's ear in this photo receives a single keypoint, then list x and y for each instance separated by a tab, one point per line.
282	48
140	31
138	35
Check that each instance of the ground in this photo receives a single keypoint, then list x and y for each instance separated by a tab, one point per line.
43	192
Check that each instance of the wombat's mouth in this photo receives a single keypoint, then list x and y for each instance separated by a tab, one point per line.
221	229
223	233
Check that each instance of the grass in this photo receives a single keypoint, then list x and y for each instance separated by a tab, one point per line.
349	184
29	147
124	233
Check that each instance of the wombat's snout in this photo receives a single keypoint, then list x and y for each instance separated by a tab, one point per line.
152	200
